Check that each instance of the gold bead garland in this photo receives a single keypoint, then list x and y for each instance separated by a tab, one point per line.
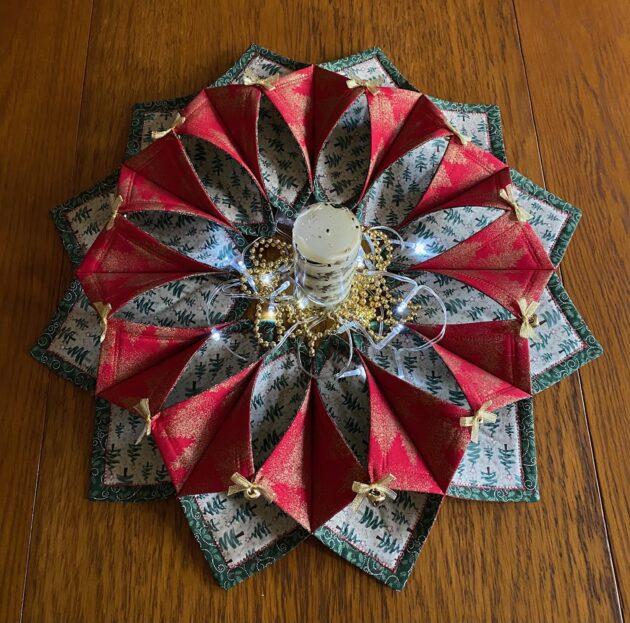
371	299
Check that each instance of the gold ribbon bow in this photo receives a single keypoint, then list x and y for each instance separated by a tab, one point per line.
507	194
179	120
479	417
375	492
103	310
463	139
372	85
251	490
118	201
250	78
143	410
529	319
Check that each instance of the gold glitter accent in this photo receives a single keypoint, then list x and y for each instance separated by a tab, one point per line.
370	301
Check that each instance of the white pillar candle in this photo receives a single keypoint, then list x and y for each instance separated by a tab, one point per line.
326	241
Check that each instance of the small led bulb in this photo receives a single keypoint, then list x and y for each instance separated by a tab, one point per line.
266	279
215	335
401	308
419	248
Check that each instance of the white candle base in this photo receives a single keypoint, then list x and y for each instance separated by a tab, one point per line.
326	242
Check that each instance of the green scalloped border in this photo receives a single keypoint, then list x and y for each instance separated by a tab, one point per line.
226	577
41	353
591	350
58	214
397	578
100	492
574	214
529	492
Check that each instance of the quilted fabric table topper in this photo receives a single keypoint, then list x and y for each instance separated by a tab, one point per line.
270	422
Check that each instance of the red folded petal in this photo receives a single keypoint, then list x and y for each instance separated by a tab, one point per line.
144	361
207	438
227	117
125	261
482	194
400	121
312	469
311	101
414	436
161	177
489	360
505	260
462	170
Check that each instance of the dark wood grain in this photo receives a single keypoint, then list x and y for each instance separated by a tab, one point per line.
580	105
483	562
42	63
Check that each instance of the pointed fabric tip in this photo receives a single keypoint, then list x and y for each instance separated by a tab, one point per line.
414	436
400	121
143	362
489	360
206	439
505	260
311	101
311	469
227	117
161	178
467	175
125	261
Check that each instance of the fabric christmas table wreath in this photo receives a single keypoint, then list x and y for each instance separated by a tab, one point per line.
315	301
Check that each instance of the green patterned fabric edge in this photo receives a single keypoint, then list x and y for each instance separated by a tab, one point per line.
592	348
40	350
226	577
98	491
530	491
574	214
58	214
394	579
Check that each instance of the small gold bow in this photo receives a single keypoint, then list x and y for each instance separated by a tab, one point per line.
250	78
507	194
103	310
479	417
118	201
463	139
372	85
179	120
529	319
375	492
144	411
251	490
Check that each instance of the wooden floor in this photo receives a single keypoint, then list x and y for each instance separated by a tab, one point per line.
69	73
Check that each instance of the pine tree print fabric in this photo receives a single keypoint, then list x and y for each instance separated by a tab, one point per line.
152	242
